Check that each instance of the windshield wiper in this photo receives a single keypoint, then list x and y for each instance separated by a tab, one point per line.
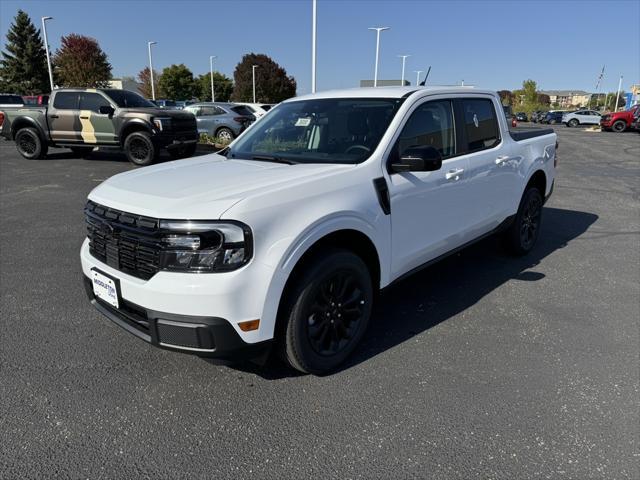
271	158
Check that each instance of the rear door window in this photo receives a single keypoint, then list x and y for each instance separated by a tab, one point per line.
66	101
242	110
92	101
480	124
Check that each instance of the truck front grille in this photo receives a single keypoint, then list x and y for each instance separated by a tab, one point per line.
124	241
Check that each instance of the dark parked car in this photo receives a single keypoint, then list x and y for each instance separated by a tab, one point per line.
553	118
522	117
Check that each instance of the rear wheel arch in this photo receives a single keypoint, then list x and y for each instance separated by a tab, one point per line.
26	122
539	181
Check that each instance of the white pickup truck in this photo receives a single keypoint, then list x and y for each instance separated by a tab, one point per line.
285	238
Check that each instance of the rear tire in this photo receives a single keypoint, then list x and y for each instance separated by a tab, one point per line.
619	126
523	233
573	123
30	145
327	312
81	151
139	149
225	134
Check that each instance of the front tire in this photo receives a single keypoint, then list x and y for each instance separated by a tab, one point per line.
139	149
619	126
523	233
225	134
327	312
30	145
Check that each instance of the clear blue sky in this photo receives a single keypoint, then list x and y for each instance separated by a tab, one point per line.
492	44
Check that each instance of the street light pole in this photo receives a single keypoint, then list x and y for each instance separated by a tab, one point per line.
418	72
153	88
213	93
46	48
618	94
253	71
375	72
404	58
313	48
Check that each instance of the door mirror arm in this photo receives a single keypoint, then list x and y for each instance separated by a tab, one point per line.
107	110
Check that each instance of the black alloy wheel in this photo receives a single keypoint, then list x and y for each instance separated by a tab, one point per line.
335	313
140	149
522	234
29	144
326	311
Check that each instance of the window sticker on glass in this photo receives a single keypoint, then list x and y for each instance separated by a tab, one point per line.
303	122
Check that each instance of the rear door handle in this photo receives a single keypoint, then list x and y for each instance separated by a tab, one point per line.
502	159
454	174
53	116
83	117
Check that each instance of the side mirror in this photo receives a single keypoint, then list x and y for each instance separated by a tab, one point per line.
422	158
106	110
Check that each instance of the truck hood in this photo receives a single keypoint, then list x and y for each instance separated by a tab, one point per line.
200	188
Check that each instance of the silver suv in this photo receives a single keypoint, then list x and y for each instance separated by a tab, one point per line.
223	120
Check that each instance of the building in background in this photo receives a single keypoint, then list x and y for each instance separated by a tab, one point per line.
385	83
568	98
125	83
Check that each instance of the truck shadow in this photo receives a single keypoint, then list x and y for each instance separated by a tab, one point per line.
436	294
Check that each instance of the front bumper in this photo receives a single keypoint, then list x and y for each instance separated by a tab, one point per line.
209	303
203	336
174	139
606	123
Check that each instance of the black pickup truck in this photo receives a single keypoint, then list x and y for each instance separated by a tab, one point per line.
81	119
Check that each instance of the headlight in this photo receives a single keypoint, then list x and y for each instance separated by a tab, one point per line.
205	246
162	123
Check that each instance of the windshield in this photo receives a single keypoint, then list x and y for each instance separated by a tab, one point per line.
335	130
127	99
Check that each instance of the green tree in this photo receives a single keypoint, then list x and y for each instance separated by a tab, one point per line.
80	62
177	83
608	101
506	97
222	85
273	85
144	79
23	68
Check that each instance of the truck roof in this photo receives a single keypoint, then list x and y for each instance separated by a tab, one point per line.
389	92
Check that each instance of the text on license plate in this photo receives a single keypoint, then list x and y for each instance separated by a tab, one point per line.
105	288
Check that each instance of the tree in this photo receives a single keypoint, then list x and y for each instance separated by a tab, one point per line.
544	99
80	62
506	97
23	68
177	83
222	85
273	85
144	79
608	101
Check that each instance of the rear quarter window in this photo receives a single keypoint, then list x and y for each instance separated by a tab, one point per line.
480	124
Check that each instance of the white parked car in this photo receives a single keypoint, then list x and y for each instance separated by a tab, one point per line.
581	117
259	110
284	241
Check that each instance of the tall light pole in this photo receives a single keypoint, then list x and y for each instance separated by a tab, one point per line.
404	58
313	47
618	94
375	72
153	88
418	72
213	93
253	71
46	48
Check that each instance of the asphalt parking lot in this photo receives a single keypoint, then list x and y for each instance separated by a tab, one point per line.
481	366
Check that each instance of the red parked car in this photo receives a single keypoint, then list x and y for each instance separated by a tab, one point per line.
619	121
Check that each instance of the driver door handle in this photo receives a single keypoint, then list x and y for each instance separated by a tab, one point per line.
502	159
53	116
454	174
84	117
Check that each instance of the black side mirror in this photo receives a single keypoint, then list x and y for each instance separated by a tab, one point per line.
106	110
420	158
